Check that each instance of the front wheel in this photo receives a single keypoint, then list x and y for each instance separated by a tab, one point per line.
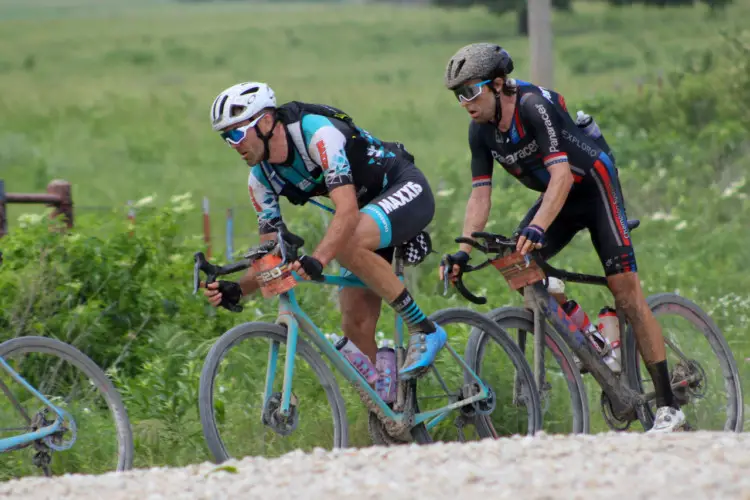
709	393
564	391
246	364
97	439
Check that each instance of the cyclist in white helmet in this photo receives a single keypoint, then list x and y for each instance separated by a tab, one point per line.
300	150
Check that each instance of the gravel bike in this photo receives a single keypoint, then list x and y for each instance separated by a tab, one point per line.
47	401
625	397
228	391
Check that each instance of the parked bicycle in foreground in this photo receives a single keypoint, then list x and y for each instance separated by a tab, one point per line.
234	402
711	399
49	406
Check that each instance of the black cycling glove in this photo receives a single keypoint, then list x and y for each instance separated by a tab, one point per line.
461	258
312	266
231	293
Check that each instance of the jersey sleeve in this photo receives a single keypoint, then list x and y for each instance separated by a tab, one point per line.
265	201
326	148
481	158
546	127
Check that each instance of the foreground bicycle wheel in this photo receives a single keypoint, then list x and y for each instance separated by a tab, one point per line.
101	440
237	422
564	391
700	362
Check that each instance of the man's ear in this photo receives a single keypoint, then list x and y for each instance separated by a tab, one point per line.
498	84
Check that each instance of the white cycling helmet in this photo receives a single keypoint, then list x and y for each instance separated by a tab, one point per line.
240	102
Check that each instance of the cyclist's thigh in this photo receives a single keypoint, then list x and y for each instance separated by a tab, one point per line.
404	208
567	223
608	223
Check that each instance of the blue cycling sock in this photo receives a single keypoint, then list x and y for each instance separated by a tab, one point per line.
412	315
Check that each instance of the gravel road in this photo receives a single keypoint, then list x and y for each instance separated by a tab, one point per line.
681	465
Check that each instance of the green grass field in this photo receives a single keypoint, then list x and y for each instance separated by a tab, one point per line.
116	100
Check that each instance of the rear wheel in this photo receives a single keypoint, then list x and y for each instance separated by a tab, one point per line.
705	379
447	383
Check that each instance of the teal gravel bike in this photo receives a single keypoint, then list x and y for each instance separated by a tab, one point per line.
256	391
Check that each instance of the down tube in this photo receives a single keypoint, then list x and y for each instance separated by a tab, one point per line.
290	307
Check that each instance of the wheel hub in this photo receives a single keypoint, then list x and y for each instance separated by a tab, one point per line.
272	417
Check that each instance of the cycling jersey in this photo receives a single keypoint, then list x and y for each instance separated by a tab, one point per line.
543	134
326	152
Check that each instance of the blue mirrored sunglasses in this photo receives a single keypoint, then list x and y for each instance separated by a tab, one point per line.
237	135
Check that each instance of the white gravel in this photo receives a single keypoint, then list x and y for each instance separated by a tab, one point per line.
603	466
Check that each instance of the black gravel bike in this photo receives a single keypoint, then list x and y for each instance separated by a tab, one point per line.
709	393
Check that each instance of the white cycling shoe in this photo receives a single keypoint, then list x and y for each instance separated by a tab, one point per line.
668	419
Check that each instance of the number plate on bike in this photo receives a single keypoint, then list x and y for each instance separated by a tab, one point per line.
274	279
517	271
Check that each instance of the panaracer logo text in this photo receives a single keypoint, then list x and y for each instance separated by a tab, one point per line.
553	143
577	143
404	195
512	159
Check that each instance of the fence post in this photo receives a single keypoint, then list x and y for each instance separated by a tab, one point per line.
131	216
3	217
62	189
206	227
230	235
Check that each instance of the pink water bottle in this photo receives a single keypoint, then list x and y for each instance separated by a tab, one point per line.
358	359
387	373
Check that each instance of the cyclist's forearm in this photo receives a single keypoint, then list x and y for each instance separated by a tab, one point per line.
561	181
342	226
477	213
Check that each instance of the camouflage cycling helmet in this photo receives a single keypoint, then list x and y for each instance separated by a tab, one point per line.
485	61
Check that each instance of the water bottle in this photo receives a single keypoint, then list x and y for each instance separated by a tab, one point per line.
582	321
387	374
359	360
589	126
609	325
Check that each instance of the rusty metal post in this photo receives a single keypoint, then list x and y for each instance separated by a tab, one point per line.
3	216
63	190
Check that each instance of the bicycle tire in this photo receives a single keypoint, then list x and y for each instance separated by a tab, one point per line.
277	333
518	359
672	303
516	317
48	345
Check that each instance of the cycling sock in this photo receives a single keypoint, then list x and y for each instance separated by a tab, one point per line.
662	385
412	315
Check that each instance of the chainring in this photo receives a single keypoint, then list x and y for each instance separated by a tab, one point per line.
613	422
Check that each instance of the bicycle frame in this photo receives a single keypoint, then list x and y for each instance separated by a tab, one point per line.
624	401
294	318
7	444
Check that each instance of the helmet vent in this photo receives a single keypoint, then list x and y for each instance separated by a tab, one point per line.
236	110
458	68
251	90
221	105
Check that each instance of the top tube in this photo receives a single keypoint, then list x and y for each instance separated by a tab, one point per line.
329	279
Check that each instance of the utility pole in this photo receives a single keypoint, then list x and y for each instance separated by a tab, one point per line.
540	42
